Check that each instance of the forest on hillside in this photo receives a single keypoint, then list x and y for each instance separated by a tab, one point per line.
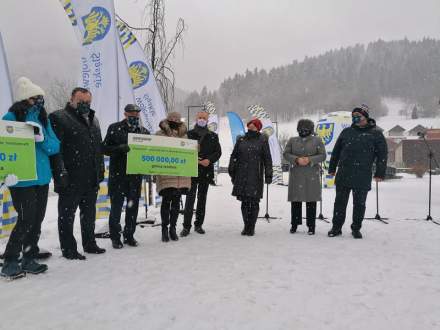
336	80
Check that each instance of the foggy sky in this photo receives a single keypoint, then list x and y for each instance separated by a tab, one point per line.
223	37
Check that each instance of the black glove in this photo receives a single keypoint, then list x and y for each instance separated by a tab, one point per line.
61	181
268	180
123	148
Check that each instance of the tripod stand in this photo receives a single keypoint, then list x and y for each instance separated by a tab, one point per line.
267	216
431	158
378	217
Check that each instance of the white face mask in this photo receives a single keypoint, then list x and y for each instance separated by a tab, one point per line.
202	122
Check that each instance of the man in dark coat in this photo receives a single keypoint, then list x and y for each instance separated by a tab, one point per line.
120	184
249	166
209	153
78	130
355	151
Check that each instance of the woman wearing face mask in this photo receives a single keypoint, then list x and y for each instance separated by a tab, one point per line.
249	164
30	197
171	188
304	153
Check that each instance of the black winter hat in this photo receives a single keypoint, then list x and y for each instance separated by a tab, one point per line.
364	110
132	108
306	124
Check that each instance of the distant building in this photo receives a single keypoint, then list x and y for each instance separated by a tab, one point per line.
392	146
433	134
410	153
396	131
416	130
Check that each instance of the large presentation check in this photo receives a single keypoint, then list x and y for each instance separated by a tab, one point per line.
162	155
17	150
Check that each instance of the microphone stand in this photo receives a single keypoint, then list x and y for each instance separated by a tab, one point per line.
431	158
321	216
378	217
267	216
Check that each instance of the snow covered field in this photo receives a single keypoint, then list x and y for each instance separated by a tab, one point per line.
275	280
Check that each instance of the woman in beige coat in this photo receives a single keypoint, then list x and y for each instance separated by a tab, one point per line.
171	188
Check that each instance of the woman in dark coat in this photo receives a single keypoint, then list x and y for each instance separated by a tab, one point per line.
250	162
304	153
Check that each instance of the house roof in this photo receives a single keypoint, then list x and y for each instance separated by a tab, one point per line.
397	128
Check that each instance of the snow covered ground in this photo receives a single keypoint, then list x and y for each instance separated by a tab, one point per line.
275	280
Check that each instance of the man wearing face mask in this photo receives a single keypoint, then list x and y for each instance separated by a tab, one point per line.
209	153
355	151
78	130
121	185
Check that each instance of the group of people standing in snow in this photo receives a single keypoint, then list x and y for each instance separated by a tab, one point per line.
70	148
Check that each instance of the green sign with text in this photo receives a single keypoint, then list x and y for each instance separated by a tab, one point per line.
162	155
17	150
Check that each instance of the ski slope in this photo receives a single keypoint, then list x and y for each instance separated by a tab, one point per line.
274	280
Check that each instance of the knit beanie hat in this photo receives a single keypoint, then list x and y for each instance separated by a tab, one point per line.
257	123
364	110
25	89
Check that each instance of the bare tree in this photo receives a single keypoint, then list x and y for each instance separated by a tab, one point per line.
161	49
58	94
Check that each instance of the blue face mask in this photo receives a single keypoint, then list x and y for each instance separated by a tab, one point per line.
356	119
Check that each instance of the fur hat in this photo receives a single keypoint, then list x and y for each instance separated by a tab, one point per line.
257	123
174	116
306	124
364	110
25	89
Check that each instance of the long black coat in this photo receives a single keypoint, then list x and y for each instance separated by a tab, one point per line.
355	152
117	136
209	148
80	146
250	162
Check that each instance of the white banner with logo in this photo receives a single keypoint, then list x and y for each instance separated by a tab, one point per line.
94	23
146	91
126	95
258	111
5	82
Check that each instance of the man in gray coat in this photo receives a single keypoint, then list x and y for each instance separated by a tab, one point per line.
304	153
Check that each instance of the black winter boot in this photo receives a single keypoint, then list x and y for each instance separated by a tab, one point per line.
311	231
165	237
293	229
185	232
334	232
173	234
117	244
356	234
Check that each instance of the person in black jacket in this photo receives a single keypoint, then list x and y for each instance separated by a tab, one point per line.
78	130
209	153
120	184
355	151
250	162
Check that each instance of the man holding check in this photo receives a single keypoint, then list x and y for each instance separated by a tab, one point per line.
121	185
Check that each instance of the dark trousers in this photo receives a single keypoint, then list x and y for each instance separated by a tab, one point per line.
341	201
124	188
199	188
296	213
249	210
30	204
169	210
68	202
